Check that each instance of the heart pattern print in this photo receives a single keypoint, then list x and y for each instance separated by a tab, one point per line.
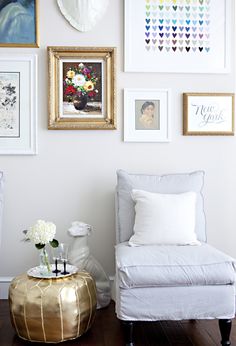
181	26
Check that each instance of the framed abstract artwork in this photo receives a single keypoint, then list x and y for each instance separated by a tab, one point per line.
208	114
146	115
19	23
191	36
18	104
81	88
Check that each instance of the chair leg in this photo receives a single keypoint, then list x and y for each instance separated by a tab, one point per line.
225	328
128	331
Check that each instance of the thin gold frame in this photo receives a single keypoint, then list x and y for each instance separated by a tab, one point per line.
28	45
108	55
186	131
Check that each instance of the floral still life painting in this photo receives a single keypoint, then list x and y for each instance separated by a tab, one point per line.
82	89
18	23
9	104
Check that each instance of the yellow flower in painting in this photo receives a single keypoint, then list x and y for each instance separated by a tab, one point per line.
88	86
70	74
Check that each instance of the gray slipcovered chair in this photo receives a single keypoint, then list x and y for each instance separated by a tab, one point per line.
170	282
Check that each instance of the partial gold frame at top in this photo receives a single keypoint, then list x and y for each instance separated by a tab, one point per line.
108	55
187	132
28	45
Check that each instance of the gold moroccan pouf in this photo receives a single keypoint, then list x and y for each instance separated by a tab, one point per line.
52	310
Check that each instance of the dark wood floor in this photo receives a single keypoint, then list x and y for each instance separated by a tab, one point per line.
107	331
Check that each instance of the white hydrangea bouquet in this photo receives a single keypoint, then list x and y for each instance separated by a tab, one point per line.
41	234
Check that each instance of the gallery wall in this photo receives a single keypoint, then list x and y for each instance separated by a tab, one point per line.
73	176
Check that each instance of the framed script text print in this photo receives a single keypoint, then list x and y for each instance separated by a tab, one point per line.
208	114
177	35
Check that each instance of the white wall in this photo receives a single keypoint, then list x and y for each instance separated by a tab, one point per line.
73	176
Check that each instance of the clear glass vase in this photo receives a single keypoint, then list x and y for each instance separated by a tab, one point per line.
44	263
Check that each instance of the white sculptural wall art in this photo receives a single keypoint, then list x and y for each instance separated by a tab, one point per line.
83	14
80	256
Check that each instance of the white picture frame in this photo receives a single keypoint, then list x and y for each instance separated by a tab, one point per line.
208	114
147	115
164	36
18	104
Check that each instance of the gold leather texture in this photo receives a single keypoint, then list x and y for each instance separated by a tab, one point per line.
52	310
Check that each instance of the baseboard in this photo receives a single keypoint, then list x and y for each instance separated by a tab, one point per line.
4	286
6	280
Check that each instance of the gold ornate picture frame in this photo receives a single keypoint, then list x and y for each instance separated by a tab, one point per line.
208	114
81	88
19	25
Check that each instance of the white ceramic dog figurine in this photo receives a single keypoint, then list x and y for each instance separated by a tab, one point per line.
79	256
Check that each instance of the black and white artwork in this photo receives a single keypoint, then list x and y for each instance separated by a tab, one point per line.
9	104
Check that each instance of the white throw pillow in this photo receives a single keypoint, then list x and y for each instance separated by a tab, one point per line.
164	218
